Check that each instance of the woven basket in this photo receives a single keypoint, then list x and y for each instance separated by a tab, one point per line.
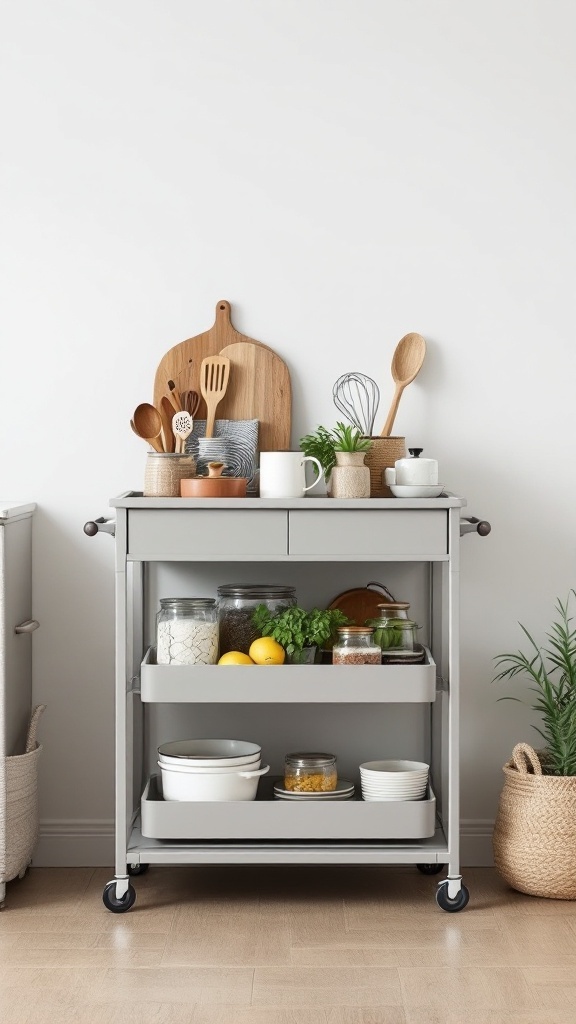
21	826
535	831
382	455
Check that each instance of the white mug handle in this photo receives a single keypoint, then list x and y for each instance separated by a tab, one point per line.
310	458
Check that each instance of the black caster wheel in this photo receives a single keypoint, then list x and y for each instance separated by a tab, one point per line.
137	869
451	905
111	902
429	869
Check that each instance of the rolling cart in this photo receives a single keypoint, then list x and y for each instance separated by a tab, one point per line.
361	712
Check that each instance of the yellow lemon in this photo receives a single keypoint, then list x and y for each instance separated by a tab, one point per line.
266	651
235	658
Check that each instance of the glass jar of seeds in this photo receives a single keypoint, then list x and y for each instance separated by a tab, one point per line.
355	645
236	605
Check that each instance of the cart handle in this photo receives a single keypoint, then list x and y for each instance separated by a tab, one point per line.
100	525
470	524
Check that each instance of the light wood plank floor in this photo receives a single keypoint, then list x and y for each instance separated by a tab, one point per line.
281	945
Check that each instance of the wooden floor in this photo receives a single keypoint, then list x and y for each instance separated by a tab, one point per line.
276	945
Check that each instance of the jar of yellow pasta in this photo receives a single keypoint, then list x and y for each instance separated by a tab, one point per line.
310	773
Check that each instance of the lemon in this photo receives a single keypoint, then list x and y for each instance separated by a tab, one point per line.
266	651
235	658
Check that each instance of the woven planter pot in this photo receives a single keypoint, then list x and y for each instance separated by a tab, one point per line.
535	832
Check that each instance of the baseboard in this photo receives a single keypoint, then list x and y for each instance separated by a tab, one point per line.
85	843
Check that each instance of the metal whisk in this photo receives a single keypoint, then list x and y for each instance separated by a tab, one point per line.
357	397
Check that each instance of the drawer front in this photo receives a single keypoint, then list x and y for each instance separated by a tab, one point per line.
207	534
365	534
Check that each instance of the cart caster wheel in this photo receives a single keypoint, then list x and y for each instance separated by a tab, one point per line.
137	869
451	905
429	869
115	905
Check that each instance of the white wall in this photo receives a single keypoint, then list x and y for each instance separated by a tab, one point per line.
343	172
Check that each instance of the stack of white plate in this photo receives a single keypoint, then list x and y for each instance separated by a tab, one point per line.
394	780
344	791
210	769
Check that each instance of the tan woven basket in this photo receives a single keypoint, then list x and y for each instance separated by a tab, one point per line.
21	822
535	831
382	455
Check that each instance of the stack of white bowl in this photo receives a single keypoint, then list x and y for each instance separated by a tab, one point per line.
394	780
210	769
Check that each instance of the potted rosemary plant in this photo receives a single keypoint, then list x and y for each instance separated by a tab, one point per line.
535	830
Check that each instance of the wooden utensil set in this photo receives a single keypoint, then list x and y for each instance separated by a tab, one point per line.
219	370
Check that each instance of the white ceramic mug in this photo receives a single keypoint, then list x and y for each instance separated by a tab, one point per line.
283	474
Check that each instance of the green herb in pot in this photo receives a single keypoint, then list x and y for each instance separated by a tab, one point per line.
295	628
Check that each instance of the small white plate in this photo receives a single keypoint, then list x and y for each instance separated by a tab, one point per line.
405	491
343	786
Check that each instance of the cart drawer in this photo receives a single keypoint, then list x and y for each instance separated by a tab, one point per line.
408	533
207	534
285	819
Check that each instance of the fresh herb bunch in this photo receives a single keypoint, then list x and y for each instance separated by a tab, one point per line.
320	445
323	445
295	628
386	636
552	671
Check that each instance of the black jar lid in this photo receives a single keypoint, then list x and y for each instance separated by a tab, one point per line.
255	590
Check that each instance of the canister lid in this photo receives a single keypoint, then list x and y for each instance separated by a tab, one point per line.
255	590
303	760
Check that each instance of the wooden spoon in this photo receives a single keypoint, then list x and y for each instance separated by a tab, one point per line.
148	424
167	413
406	362
214	376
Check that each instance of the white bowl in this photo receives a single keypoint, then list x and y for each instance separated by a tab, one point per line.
220	764
210	753
193	769
400	786
186	786
393	768
416	491
390	799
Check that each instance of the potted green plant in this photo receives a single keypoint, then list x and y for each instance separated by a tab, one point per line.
299	632
535	830
343	446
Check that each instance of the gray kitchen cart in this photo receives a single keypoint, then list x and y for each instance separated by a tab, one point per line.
178	547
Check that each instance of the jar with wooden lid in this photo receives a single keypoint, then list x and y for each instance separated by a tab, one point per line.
355	645
310	773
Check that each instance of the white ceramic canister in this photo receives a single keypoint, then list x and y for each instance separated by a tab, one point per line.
413	472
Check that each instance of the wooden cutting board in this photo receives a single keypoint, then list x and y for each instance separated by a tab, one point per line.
259	389
361	603
182	362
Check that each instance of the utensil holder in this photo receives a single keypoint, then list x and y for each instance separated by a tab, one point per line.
163	473
383	454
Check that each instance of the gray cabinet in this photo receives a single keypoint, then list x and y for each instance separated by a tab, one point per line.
202	536
16	628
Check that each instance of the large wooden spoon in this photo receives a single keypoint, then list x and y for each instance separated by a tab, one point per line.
406	362
214	375
148	425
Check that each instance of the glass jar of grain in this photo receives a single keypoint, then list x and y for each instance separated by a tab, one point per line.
236	605
310	773
355	645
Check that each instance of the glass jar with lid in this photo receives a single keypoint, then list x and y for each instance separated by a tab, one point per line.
236	605
394	632
187	631
310	773
355	645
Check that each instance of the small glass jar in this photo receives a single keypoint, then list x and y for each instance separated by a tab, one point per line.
355	646
394	632
187	631
310	773
236	605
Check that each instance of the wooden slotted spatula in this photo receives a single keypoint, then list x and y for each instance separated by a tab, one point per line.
214	376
